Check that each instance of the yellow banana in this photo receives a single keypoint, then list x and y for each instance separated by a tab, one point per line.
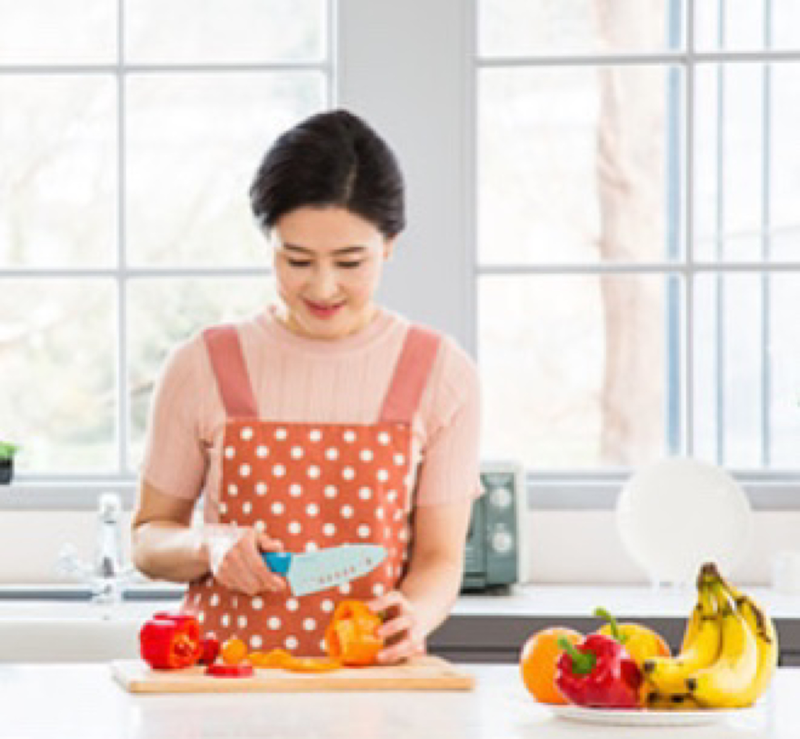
766	637
726	683
701	647
693	623
656	701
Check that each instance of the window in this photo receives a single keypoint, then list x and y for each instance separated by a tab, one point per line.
129	135
638	233
627	275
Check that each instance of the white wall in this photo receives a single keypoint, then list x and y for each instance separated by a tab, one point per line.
584	547
423	107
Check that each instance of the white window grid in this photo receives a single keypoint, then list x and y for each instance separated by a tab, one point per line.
80	490
554	491
768	489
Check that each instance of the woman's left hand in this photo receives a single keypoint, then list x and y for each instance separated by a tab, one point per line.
400	630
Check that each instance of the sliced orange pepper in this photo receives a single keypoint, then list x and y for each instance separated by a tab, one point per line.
273	659
281	659
352	635
311	664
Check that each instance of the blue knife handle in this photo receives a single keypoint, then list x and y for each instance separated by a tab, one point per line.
278	562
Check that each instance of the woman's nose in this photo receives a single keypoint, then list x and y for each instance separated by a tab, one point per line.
324	283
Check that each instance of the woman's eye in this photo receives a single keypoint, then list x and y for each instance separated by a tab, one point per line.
349	265
298	262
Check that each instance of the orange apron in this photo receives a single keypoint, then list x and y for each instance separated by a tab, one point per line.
310	485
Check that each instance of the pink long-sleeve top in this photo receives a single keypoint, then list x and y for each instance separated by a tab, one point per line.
299	379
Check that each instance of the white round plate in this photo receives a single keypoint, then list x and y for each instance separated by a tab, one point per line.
679	513
625	717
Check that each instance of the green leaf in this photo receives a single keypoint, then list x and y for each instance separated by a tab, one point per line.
7	450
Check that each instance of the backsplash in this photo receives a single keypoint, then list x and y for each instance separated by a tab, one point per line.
563	547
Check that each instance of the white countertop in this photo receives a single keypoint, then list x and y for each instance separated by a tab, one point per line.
81	701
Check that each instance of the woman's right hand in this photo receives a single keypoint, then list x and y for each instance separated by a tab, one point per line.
234	557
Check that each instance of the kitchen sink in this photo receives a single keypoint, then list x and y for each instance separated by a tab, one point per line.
64	625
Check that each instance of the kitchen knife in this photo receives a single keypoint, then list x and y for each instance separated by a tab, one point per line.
325	568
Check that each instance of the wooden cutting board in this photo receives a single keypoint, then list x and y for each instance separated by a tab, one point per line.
424	672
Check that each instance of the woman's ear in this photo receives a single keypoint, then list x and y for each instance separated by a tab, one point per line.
388	248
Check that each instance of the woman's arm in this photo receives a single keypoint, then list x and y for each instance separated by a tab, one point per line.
164	546
432	583
167	547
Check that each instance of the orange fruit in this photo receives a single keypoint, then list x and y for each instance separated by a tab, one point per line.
537	662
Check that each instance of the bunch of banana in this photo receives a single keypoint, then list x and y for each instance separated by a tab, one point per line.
727	657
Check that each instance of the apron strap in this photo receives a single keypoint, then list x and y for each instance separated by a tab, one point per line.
410	374
227	361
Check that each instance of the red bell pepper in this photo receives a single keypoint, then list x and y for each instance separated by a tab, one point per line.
211	647
219	669
598	672
170	641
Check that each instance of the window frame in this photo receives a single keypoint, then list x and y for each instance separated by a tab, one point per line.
598	490
80	491
427	117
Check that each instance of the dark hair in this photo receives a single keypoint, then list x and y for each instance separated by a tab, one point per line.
331	159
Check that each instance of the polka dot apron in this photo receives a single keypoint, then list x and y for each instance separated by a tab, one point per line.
310	485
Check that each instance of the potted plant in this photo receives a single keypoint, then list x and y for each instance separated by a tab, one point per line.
7	452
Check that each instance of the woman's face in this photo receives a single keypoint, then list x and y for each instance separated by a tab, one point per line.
328	263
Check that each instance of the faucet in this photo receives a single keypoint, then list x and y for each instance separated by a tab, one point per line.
106	574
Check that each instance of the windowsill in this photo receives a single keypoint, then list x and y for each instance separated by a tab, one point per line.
81	593
766	492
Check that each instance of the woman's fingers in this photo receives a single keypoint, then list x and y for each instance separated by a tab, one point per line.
267	579
387	602
394	626
241	567
234	575
399	630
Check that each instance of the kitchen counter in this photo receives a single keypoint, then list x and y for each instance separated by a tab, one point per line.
482	628
81	701
632	600
486	628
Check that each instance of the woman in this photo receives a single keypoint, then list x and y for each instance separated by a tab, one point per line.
324	420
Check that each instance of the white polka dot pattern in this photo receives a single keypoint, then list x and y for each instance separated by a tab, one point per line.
310	486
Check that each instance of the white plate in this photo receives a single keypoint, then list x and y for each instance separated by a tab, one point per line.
679	513
626	717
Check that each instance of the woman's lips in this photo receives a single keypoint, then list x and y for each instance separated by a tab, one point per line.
322	311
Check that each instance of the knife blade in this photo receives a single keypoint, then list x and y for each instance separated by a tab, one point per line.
325	568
